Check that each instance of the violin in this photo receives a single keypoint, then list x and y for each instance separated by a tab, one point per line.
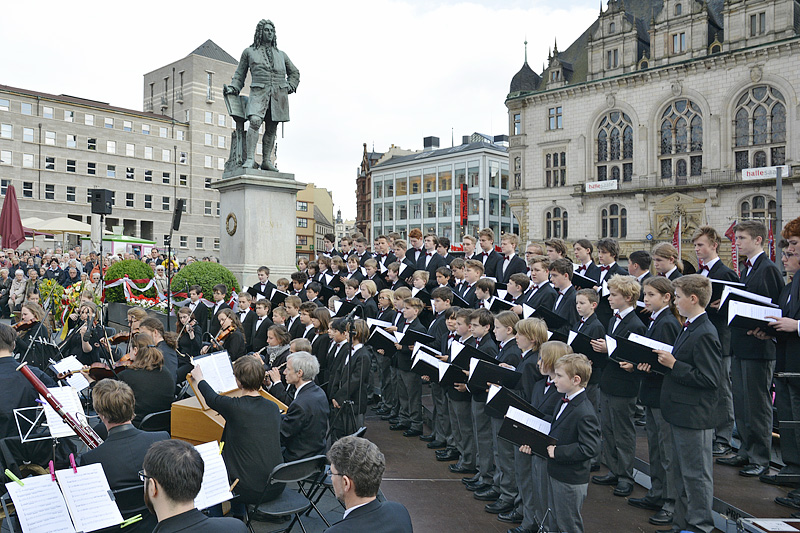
23	326
122	336
98	371
225	332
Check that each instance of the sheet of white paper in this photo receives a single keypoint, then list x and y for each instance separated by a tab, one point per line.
336	305
728	290
443	369
529	420
493	390
455	349
419	347
425	357
611	343
69	364
40	506
67	397
383	267
402	268
527	311
488	303
217	371
364	272
759	312
640	304
725	282
473	364
571	337
604	289
328	278
384	333
773	525
501	293
644	341
549	334
88	497
215	488
375	322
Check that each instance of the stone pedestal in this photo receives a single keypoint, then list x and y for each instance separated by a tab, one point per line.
258	216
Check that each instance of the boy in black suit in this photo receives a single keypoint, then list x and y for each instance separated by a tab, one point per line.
299	282
618	390
430	260
473	271
586	301
294	326
607	253
352	383
312	293
361	251
371	268
258	336
199	309
488	256
540	292
459	399
688	401
264	286
510	263
247	317
444	250
706	242
220	293
442	298
564	306
753	359
409	386
583	258
577	429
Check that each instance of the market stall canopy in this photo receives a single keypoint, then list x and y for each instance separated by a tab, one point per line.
61	225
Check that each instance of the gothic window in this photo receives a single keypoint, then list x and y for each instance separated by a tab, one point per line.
759	128
759	207
615	147
556	223
681	143
614	221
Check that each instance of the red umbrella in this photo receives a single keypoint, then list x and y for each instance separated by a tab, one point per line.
13	234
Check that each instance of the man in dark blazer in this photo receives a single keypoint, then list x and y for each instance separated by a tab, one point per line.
487	254
383	254
564	306
753	359
355	460
305	424
706	242
510	262
608	253
430	260
540	292
122	452
361	251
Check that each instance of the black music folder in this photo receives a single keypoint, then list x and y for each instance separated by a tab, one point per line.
460	355
423	295
517	431
718	285
631	351
583	344
458	301
345	308
425	364
278	297
483	372
500	399
579	280
380	339
449	375
498	305
411	337
552	320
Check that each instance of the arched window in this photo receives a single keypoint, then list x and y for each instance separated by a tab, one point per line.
614	221
556	223
678	9
615	147
759	207
681	141
612	28
759	128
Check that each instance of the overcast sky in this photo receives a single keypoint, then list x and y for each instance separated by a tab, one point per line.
376	71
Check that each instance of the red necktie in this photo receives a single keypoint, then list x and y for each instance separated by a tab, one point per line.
604	268
549	382
428	253
484	254
686	324
535	288
748	264
704	267
583	320
565	399
581	268
617	316
508	258
477	342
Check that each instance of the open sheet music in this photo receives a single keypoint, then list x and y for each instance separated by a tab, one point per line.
71	364
40	506
750	316
732	293
217	371
67	397
215	488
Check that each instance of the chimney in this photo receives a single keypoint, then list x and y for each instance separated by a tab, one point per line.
465	139
430	143
502	140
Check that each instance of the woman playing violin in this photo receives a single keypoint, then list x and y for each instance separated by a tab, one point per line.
233	341
190	335
153	386
31	314
164	341
84	343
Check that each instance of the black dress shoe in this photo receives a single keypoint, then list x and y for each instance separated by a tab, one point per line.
381	411
387	416
661	518
721	449
427	438
478	486
521	529
753	470
412	433
498	507
644	503
735	460
450	456
511	517
608	479
775	479
595	467
624	488
791	503
471	479
448	452
486	495
436	444
399	427
461	470
394	420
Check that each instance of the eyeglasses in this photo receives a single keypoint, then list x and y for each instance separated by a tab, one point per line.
143	477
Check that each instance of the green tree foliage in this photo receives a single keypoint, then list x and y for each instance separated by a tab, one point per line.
134	269
205	274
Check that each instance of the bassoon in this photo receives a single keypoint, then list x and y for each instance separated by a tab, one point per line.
85	433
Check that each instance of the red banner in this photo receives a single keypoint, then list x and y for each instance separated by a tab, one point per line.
464	204
731	235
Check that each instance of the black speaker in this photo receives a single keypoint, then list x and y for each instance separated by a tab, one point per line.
176	216
101	201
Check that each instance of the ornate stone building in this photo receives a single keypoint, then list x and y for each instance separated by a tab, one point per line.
652	114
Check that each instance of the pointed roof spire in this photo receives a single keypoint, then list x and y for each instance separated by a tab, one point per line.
601	7
555	47
526	49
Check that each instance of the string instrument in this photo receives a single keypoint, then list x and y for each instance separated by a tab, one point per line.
98	371
223	334
189	324
122	336
84	432
24	326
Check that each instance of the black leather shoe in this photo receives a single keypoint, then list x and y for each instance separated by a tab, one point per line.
471	479
450	456
446	450
412	433
595	467
735	460
795	515
511	517
498	507
661	518
486	495
427	438
608	479
753	471
775	479
387	416
436	444
624	488
791	503
381	411
399	427
461	470
721	449
644	503
478	486
521	529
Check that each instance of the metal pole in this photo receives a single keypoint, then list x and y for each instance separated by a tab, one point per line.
779	199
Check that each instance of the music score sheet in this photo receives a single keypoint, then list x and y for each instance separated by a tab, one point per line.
214	488
217	371
88	497
531	421
40	506
67	397
77	381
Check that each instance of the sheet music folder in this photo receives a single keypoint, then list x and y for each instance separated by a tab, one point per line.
500	399
582	343
483	372
520	433
629	351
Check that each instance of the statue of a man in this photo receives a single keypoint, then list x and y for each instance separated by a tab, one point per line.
273	78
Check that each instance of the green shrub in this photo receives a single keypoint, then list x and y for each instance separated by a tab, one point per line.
205	274
134	269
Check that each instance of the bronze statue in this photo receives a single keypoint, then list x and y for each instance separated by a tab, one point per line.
273	79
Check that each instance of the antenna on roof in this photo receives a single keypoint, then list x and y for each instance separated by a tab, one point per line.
526	49
452	142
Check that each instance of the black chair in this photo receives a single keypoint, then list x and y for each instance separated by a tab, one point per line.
289	502
130	502
159	421
10	522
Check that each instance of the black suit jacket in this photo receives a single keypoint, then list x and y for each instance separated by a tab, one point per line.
304	426
436	261
297	329
351	380
404	354
788	343
247	325
334	361
488	346
764	279
375	517
385	260
545	296
593	329
689	391
720	320
489	261
675	275
364	258
319	349
578	434
370	309
517	265
197	522
592	271
265	291
664	329
469	296
437	329
603	311
201	313
566	308
387	315
616	381
258	336
213	323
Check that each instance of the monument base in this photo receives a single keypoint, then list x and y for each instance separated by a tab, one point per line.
258	213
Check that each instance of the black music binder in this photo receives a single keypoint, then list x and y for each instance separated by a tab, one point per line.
498	403
632	352
486	372
519	434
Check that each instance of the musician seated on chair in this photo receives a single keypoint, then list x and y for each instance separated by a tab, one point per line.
173	473
357	467
304	426
122	453
28	330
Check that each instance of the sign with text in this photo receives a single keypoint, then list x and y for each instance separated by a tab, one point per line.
595	186
764	172
464	204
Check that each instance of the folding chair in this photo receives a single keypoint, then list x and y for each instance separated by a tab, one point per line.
289	502
159	421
